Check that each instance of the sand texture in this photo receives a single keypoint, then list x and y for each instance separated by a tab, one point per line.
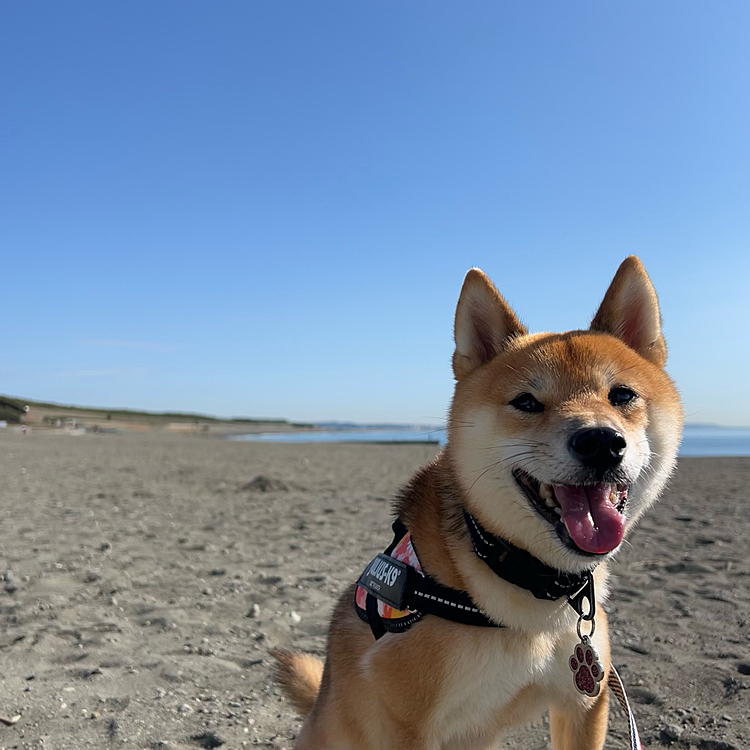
145	576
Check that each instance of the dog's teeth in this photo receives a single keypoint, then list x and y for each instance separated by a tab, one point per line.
545	491
558	510
548	495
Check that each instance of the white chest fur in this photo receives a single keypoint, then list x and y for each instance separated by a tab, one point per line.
498	678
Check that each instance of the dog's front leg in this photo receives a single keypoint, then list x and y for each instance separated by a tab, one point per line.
317	738
373	728
580	727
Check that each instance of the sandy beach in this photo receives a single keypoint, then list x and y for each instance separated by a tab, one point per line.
146	576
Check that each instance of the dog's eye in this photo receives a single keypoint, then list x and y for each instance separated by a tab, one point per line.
621	395
526	402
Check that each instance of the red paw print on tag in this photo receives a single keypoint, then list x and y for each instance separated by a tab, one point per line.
587	669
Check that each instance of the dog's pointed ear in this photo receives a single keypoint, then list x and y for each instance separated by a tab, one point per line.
630	311
484	324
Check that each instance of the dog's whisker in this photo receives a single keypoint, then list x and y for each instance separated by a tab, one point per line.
480	476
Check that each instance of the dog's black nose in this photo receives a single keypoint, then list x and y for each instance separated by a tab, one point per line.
600	448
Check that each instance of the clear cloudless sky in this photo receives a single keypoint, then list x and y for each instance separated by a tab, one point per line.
267	208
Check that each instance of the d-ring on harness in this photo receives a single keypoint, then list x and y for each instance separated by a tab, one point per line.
393	593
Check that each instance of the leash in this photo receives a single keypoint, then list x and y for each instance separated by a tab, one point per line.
584	662
616	686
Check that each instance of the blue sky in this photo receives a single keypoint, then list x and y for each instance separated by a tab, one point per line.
267	209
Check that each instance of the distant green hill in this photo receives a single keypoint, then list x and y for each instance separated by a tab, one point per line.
13	407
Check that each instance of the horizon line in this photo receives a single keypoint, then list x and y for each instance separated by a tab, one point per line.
214	417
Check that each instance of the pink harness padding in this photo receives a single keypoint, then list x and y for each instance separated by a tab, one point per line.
403	551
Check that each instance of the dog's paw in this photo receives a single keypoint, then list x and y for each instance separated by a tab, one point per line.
587	669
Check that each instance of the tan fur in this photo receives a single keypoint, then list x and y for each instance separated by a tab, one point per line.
300	675
571	731
442	685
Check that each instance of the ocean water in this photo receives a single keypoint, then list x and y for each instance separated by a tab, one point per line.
405	435
698	440
707	440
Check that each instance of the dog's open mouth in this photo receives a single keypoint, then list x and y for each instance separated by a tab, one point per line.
587	517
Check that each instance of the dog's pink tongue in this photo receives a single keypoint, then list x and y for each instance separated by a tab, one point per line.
593	523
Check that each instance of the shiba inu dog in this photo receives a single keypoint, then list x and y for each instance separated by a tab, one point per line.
557	444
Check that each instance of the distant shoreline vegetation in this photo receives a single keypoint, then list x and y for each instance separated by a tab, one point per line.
52	410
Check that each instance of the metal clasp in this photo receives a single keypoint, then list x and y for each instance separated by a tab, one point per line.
585	592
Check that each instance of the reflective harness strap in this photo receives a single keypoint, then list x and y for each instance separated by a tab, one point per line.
616	686
521	568
405	589
411	593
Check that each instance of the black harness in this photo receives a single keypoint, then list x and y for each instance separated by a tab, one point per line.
404	588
